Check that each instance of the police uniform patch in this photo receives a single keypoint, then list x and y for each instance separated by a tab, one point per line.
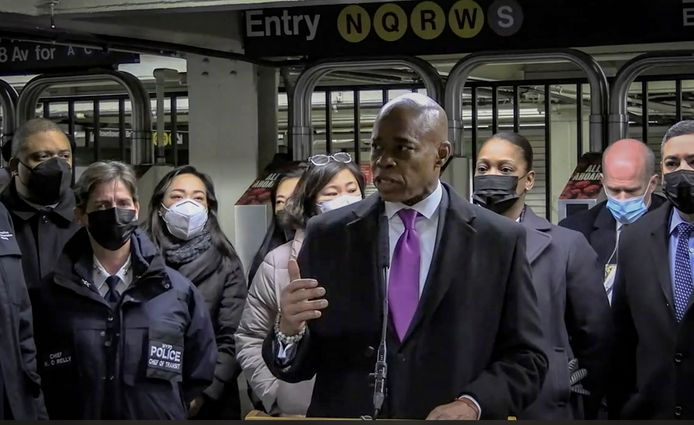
166	357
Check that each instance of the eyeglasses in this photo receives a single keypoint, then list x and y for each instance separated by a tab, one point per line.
322	159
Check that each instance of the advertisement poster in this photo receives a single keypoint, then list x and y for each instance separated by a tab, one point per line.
585	180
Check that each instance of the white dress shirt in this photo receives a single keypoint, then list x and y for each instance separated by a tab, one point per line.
99	276
426	225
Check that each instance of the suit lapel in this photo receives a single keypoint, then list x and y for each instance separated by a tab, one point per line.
537	239
453	241
604	236
362	239
659	247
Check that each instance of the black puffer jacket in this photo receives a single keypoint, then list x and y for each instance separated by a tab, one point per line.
222	283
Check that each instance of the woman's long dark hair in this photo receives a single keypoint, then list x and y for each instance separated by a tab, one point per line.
302	204
155	223
276	234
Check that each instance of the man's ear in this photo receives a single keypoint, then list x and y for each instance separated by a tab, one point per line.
443	152
14	165
80	217
530	181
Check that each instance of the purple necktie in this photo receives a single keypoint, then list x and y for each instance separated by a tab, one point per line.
403	284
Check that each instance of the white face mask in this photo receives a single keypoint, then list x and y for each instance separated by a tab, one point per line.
339	202
185	219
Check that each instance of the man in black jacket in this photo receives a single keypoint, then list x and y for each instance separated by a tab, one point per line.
652	376
629	180
20	386
39	197
464	340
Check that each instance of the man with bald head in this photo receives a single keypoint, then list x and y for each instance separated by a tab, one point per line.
629	180
462	335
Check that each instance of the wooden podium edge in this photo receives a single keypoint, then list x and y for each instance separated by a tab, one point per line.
257	415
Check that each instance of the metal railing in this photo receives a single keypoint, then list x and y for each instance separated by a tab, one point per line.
301	133
142	151
619	116
460	74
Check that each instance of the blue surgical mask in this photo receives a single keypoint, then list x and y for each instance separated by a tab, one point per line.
628	210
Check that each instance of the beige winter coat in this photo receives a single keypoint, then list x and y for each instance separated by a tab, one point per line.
257	321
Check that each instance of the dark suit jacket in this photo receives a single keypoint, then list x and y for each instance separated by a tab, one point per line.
20	381
476	330
575	317
600	228
653	370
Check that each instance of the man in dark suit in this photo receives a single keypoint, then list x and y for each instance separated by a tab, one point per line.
464	336
20	385
629	179
653	370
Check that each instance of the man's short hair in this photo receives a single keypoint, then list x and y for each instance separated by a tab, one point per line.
104	172
28	129
682	128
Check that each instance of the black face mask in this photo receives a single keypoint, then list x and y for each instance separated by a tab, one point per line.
48	181
679	189
496	193
112	228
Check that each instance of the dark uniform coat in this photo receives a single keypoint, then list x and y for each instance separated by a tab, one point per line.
147	358
41	234
576	318
20	385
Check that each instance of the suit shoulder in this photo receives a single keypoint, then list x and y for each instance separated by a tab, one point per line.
584	219
488	221
659	216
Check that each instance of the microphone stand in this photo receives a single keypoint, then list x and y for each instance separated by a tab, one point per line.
381	368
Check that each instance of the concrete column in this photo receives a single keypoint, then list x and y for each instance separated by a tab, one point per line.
223	125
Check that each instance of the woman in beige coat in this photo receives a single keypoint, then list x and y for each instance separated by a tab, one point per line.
329	183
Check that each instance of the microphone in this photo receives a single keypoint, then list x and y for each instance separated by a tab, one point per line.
381	368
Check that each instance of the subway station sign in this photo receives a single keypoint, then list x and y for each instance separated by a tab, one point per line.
17	57
461	26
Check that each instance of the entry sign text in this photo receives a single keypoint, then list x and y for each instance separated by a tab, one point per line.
423	27
26	57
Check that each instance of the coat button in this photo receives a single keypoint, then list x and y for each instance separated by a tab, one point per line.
402	358
369	351
678	358
102	333
111	378
107	343
678	411
110	318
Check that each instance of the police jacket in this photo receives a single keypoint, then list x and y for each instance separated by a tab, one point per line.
19	382
146	358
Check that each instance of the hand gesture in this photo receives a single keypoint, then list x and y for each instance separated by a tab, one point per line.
300	301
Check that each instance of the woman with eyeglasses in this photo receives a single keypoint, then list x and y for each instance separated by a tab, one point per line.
331	182
183	224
